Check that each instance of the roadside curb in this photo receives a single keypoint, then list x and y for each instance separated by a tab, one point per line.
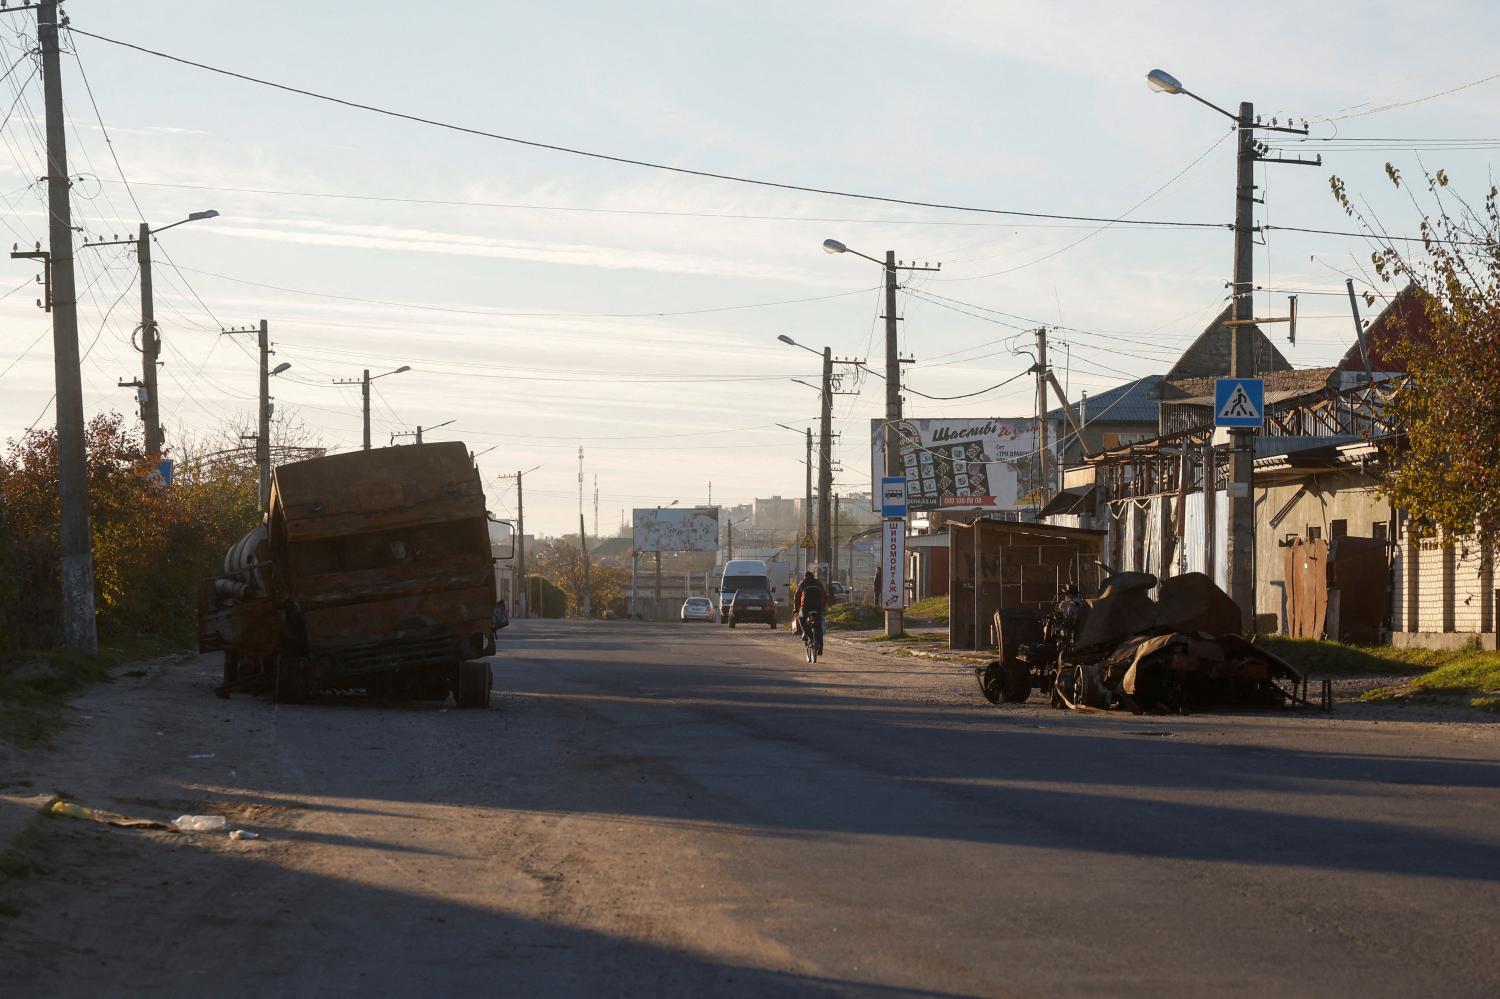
960	660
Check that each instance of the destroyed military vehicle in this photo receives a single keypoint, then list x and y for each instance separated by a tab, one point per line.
1123	649
372	569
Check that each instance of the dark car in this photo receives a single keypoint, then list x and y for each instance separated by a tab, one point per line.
751	606
837	592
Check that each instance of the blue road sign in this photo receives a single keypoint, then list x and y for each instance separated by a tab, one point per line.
1239	402
893	496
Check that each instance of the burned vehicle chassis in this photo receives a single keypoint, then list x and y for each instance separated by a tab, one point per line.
1125	650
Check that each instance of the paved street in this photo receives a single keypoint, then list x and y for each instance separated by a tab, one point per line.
663	810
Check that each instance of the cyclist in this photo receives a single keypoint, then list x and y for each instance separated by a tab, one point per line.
812	597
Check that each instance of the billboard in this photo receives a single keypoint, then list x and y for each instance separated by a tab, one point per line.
963	464
658	529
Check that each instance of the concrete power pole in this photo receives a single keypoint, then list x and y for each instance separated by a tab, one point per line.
825	469
895	620
1044	479
364	390
75	542
150	349
263	433
1240	555
524	610
807	504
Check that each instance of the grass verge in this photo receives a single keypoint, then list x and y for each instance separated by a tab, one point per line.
35	686
850	616
1456	676
933	609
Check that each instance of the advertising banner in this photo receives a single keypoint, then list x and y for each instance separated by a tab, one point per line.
964	464
893	565
657	529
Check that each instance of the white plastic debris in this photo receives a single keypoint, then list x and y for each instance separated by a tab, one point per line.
200	823
244	834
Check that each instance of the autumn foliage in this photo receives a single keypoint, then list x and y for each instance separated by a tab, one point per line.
151	543
1446	473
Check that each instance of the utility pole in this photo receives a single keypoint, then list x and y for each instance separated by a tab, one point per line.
75	542
807	502
525	607
1241	552
596	505
583	540
1044	489
364	391
263	433
833	556
825	469
150	348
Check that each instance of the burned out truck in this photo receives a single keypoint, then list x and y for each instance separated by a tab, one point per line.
371	570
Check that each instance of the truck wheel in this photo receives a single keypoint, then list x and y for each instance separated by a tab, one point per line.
991	682
291	686
1017	683
731	622
231	675
473	685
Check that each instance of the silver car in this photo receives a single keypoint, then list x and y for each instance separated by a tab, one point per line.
699	609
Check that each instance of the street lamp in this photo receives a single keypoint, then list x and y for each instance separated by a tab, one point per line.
1240	553
894	624
364	384
150	336
825	444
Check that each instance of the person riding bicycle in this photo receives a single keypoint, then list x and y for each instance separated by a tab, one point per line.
811	597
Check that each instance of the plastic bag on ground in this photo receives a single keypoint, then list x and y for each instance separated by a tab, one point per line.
200	823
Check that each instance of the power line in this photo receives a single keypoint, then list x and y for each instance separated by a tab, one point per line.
629	161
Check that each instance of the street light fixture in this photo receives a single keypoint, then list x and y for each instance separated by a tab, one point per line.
894	625
1240	552
364	384
150	335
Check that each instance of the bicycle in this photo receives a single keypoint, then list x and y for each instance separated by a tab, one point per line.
812	634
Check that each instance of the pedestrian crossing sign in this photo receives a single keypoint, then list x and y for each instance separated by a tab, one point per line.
1239	402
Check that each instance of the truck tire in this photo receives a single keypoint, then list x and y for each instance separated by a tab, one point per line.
474	681
291	686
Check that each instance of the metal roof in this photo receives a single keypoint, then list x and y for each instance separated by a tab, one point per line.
1128	403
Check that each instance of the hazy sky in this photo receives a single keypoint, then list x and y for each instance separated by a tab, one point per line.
554	301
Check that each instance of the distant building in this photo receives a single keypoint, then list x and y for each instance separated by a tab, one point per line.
776	513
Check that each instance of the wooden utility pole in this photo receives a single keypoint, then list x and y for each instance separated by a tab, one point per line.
74	540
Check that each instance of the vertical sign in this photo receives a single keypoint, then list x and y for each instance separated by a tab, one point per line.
893	565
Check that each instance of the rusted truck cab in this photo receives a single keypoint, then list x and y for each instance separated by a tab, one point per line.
373	570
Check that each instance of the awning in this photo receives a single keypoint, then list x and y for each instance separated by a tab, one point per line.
1078	500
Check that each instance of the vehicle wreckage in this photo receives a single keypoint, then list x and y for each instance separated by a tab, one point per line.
1123	649
372	570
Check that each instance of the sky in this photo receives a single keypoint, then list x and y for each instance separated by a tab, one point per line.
546	301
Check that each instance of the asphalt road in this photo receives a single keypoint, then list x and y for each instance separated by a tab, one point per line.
663	810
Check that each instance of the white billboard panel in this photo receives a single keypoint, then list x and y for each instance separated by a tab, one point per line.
964	464
692	529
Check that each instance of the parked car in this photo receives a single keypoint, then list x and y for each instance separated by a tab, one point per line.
699	609
837	592
752	605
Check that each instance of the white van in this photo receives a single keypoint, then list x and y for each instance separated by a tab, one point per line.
746	573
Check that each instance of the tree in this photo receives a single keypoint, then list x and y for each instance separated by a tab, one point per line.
152	543
561	561
1446	473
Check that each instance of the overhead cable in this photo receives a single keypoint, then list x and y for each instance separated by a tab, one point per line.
629	161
